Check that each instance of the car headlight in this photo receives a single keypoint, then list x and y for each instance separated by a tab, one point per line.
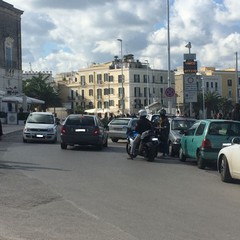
177	141
26	129
51	130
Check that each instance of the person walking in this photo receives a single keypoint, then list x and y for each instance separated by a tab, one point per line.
236	112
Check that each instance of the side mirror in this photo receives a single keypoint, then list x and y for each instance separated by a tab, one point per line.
236	140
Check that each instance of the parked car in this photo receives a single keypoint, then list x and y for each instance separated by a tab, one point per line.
178	125
78	129
228	163
204	140
117	128
40	127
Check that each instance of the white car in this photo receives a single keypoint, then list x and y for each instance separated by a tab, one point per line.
228	162
40	127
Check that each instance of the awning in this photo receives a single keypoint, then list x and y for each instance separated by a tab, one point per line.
20	100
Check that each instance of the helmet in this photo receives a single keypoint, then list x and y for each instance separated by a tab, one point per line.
142	113
162	112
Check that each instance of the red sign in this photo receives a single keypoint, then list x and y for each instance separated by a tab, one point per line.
170	92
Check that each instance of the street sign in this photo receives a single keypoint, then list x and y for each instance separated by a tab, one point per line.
169	92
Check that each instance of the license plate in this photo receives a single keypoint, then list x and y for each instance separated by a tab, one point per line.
39	135
80	130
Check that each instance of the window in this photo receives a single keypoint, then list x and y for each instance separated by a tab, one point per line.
106	91
106	104
161	79
200	129
82	80
120	92
105	77
99	93
99	78
229	82
144	78
137	92
111	78
111	91
91	78
8	52
120	78
90	92
136	78
190	131
111	102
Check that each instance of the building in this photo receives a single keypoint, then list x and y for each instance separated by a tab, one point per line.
115	87
10	53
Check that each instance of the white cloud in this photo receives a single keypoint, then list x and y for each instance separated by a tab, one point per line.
61	35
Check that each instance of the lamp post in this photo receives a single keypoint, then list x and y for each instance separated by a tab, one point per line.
122	97
147	85
203	96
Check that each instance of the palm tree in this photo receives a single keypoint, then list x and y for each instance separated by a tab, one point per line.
212	100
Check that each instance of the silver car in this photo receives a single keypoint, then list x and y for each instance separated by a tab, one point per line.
117	128
40	127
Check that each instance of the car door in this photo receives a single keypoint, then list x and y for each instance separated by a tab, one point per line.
235	160
197	139
186	142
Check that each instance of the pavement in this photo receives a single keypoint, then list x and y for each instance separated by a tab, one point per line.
9	128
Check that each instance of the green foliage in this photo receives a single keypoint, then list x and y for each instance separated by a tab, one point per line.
39	88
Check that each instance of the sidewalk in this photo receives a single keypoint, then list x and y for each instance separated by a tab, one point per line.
9	128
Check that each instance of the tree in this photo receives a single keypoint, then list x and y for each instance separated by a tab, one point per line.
212	100
39	88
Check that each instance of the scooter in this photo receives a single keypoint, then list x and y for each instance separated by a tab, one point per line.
147	147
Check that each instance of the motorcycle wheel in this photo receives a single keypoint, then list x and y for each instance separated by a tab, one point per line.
152	153
128	149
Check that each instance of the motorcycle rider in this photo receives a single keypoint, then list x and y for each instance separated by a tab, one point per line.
143	124
164	127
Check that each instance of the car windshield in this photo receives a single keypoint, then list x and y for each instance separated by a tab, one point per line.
183	124
40	118
119	122
224	128
80	120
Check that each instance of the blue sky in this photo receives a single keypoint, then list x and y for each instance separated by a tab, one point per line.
62	36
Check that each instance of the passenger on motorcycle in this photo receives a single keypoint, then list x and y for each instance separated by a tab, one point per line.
143	124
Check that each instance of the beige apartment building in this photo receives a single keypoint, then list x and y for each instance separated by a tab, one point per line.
114	87
226	82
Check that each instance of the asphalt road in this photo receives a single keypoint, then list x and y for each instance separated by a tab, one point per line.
82	193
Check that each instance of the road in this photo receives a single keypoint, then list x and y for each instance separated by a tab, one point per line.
81	193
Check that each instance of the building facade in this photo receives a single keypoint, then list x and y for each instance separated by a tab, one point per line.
121	88
10	51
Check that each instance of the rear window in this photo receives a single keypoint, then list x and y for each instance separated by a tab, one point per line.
119	122
181	124
80	120
224	128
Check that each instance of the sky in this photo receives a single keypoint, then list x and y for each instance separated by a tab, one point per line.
67	35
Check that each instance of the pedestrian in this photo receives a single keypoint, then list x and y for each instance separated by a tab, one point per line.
219	115
164	126
236	112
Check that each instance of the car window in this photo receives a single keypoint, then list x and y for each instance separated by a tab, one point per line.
80	120
224	128
119	121
191	130
41	118
183	124
200	129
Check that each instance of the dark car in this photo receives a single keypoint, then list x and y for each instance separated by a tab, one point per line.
178	125
78	129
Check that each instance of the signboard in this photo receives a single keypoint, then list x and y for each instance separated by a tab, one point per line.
189	56
170	92
190	88
190	66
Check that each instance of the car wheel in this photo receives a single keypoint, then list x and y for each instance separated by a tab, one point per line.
224	170
114	139
106	143
171	152
182	156
200	161
63	146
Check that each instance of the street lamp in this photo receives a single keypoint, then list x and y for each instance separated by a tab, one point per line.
147	85
122	97
203	96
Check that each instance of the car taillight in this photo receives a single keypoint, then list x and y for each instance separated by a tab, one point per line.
206	143
63	129
96	131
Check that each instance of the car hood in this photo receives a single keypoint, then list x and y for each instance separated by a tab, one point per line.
39	125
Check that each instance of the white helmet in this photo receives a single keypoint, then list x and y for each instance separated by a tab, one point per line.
142	113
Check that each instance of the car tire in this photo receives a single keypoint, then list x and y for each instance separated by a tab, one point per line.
63	145
224	170
200	161
114	139
106	143
182	156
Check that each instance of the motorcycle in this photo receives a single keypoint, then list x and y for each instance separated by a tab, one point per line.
147	147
